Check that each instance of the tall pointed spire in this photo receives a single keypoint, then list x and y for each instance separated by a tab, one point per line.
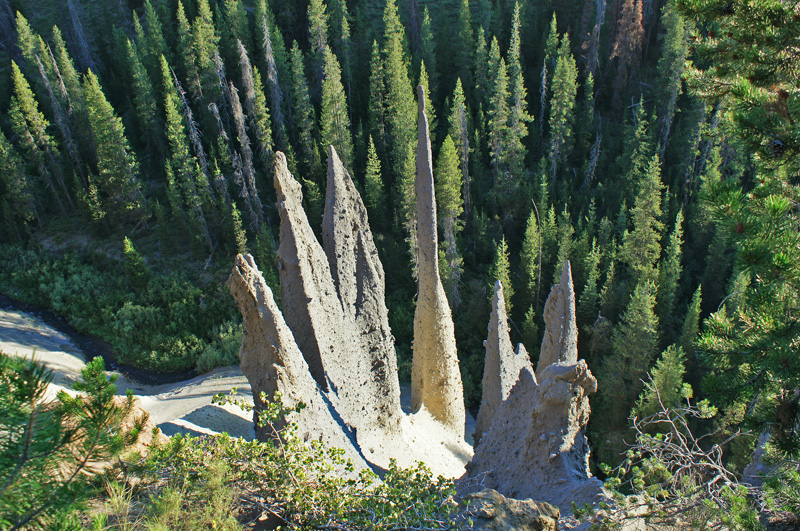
435	376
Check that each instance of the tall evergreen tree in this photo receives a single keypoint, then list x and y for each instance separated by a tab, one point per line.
144	101
691	323
519	117
17	200
666	385
205	43
334	116
400	118
669	275
30	126
374	191
117	168
303	117
450	206
670	70
530	259
186	53
256	104
501	270
377	100
497	115
181	187
427	49
562	117
155	45
317	40
463	43
640	247
459	133
634	342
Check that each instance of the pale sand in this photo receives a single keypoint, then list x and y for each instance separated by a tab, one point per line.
185	407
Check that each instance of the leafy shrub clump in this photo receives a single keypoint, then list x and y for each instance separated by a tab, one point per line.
157	322
198	482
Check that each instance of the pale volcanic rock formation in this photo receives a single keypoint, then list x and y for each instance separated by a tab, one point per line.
435	376
358	275
560	341
336	319
501	366
325	333
270	359
536	446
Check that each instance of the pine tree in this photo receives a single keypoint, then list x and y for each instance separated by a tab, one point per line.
640	247
317	40
459	133
187	53
588	302
154	45
17	201
144	100
377	99
501	270
519	117
670	70
669	275
303	117
691	323
562	117
342	41
482	84
634	342
181	188
400	110
427	50
374	192
530	258
205	42
256	104
566	243
69	74
30	126
334	116
463	43
498	114
117	168
548	66
400	120
277	66
450	206
667	382
135	268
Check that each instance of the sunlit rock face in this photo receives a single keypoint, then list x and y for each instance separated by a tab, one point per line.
502	364
536	446
435	376
330	347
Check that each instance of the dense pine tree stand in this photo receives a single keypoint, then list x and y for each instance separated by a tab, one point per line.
653	144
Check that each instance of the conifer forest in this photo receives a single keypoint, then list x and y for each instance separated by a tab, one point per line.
652	143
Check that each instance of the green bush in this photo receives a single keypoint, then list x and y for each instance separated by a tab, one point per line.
166	327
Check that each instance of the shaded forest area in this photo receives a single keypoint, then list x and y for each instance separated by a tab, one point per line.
137	138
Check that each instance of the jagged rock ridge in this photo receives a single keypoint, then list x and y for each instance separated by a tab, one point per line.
502	364
536	446
332	348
